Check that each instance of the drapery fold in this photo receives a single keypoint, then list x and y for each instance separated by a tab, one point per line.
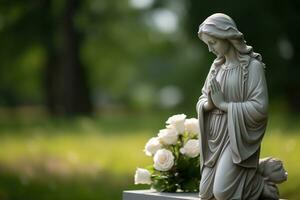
246	115
247	120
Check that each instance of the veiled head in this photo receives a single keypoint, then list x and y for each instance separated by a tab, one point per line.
220	26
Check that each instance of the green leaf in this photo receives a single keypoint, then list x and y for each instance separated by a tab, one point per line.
150	168
191	185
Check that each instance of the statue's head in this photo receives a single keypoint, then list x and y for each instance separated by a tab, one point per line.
216	45
219	32
220	26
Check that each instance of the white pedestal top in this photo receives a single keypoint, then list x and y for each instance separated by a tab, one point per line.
152	195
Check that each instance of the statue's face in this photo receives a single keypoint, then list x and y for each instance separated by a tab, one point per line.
217	46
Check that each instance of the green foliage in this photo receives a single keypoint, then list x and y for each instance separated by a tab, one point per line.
123	49
101	154
184	175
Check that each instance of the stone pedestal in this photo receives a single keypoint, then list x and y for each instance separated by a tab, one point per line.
152	195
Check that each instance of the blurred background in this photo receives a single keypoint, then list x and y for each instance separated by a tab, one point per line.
85	84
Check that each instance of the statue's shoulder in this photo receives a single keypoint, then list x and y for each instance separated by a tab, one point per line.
255	66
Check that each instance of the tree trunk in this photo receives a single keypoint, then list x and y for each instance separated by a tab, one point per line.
67	93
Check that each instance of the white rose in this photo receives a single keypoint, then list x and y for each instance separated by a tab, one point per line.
191	148
152	146
142	176
170	126
192	126
177	121
163	160
168	136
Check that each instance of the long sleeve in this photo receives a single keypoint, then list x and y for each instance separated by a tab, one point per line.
201	117
247	120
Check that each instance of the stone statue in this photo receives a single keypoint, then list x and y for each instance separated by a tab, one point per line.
232	113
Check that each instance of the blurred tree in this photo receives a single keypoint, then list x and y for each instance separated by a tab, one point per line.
133	54
47	26
67	91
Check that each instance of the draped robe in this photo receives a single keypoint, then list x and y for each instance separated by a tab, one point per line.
235	134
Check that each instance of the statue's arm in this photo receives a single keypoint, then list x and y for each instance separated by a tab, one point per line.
208	105
256	102
205	100
257	94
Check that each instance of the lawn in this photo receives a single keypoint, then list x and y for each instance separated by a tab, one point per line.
96	158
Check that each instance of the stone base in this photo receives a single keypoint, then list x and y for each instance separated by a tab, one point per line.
152	195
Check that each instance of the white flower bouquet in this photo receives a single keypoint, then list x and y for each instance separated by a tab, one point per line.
176	160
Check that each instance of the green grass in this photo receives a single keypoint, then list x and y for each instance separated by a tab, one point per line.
96	158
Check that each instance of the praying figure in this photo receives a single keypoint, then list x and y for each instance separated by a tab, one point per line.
232	112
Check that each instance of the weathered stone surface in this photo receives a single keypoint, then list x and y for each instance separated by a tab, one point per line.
152	195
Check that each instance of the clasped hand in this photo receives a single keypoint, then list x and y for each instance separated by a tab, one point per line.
216	96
